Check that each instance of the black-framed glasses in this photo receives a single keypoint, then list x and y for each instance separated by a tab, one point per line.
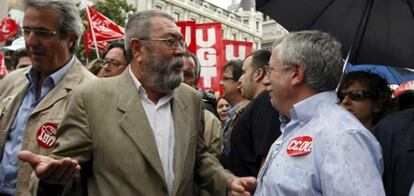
40	33
111	63
227	78
170	41
356	95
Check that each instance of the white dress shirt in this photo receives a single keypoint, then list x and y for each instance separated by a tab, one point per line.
162	124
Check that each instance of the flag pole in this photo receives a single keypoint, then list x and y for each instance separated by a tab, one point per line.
91	29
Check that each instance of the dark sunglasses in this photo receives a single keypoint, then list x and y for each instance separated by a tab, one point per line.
357	95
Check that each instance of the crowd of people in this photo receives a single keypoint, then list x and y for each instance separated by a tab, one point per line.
289	122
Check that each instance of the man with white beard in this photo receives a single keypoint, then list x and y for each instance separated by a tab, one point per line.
138	133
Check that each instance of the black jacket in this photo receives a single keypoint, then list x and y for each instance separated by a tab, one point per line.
396	136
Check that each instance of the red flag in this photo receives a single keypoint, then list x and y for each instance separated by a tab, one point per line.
89	44
187	28
209	51
103	28
236	49
86	39
9	28
3	70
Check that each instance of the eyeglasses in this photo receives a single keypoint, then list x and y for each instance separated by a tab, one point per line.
170	41
227	78
112	64
40	33
357	95
269	69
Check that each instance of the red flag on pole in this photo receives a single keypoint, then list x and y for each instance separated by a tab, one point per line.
103	28
3	70
9	28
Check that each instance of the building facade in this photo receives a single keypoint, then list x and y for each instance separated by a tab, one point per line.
241	26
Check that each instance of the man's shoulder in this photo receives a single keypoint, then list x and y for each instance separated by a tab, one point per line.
184	90
79	69
397	124
14	79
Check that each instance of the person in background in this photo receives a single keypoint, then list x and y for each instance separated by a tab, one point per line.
232	71
222	108
191	72
212	125
94	66
405	99
259	124
123	147
21	59
17	46
323	149
34	99
367	96
114	62
395	133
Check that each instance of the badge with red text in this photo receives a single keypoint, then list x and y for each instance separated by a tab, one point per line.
299	146
46	135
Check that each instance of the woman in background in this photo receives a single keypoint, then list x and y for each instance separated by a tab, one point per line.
367	96
222	107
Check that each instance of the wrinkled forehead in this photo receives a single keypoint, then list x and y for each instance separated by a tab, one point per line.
163	27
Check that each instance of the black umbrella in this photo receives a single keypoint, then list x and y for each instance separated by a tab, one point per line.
371	31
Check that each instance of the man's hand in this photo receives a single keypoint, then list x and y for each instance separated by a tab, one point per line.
241	186
50	170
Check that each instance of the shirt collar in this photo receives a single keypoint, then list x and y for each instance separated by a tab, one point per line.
233	109
304	110
143	93
55	77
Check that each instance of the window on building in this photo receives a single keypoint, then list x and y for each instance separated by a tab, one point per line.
176	16
246	21
158	7
257	25
245	39
234	36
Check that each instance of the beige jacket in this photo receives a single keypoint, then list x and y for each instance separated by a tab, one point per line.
50	110
106	128
212	133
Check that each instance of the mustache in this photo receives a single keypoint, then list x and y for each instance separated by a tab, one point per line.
177	62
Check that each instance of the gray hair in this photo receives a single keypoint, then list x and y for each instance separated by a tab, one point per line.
139	25
69	22
319	52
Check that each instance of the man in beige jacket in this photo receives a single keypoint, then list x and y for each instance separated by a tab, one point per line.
139	133
33	100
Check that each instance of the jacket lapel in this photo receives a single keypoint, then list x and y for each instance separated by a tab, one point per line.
135	122
71	79
182	137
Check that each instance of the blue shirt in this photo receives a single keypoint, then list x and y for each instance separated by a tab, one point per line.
9	163
338	157
228	127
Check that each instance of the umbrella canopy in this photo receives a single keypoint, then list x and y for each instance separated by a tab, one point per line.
371	31
394	75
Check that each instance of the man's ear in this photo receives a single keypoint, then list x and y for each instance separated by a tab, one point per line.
298	74
259	74
136	46
71	40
